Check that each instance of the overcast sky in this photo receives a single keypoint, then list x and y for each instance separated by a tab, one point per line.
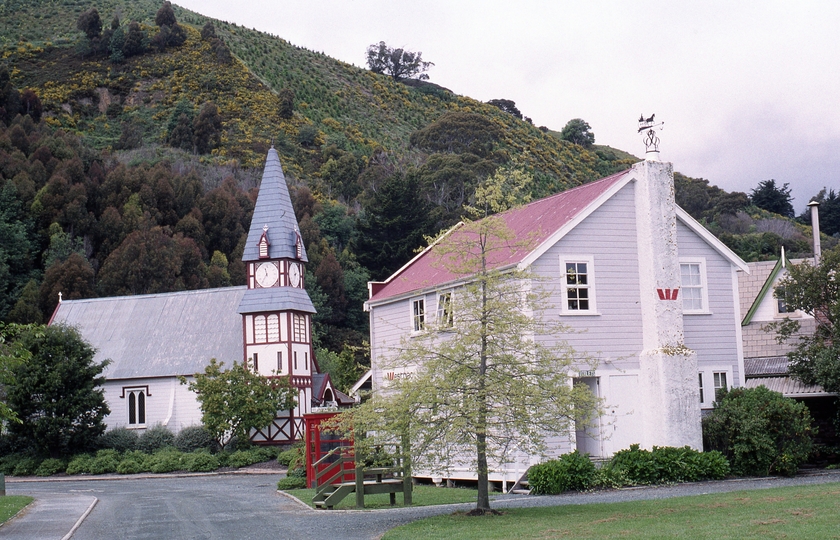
748	90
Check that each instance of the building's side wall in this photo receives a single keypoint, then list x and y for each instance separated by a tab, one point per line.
714	335
168	403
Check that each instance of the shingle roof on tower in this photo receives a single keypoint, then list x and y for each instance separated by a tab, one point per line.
273	209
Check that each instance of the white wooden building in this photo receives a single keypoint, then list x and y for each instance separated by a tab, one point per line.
661	311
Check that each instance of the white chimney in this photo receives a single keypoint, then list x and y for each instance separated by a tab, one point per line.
815	226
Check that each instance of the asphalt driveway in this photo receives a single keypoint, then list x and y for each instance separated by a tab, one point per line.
247	506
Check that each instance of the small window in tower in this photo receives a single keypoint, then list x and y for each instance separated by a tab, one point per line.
256	363
273	328
306	361
259	329
299	327
279	361
294	360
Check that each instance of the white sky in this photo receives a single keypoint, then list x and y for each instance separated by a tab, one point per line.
749	90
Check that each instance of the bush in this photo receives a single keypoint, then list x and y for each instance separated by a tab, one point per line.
164	461
130	466
293	457
155	438
106	461
291	482
663	465
79	464
759	431
194	438
8	463
299	472
50	466
120	439
243	458
570	472
201	461
26	466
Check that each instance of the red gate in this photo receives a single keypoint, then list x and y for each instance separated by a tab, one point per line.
319	443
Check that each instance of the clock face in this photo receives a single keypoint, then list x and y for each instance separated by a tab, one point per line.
294	275
267	274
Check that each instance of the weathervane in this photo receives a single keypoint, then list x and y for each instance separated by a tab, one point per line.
651	140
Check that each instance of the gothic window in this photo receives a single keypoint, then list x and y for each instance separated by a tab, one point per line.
136	407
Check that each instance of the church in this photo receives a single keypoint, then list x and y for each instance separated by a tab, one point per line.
152	340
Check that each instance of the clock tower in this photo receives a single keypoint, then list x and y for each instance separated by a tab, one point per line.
276	309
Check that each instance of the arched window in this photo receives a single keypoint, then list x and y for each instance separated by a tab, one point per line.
273	328
136	407
259	329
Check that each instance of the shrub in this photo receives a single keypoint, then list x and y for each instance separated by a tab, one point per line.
130	466
155	438
194	438
164	461
201	461
570	472
106	461
50	466
293	457
663	465
243	458
299	472
26	466
759	431
120	439
8	463
291	482
79	464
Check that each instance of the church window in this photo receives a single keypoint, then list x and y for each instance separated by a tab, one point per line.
136	407
256	363
279	361
259	329
295	360
306	361
273	328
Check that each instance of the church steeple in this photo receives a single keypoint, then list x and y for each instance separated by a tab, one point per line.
276	309
274	217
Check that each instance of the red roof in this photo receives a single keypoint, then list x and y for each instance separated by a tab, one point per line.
531	224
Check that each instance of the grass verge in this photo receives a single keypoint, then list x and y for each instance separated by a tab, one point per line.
11	505
421	496
793	512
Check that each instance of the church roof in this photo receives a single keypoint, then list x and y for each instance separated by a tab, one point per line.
159	335
276	299
273	209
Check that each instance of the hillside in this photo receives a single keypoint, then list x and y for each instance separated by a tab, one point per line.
131	170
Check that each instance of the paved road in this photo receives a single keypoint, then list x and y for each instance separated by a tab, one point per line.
248	507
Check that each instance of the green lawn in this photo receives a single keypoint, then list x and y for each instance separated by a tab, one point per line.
795	512
11	505
421	496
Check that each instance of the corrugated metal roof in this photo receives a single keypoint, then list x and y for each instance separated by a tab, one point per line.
534	222
772	365
159	335
787	386
274	209
276	299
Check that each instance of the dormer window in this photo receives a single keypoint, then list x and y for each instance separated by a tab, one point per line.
264	243
298	244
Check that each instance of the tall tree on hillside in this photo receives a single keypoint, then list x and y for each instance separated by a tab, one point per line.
392	226
829	212
207	129
398	63
773	198
579	132
475	382
506	105
90	23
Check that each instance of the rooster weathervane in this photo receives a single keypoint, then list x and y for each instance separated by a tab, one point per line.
649	124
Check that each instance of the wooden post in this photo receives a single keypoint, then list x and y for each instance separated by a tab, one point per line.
360	484
406	448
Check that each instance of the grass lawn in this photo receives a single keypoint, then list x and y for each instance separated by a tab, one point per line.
421	496
11	505
795	512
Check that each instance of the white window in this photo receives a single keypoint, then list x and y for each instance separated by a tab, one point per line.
136	404
418	315
720	381
299	327
445	318
578	285
702	397
693	286
273	328
782	309
259	329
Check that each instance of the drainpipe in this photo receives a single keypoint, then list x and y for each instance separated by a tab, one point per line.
815	226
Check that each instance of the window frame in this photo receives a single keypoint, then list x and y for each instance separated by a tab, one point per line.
709	376
590	285
704	286
417	320
136	396
445	311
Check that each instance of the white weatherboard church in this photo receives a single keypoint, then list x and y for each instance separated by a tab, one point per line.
649	292
151	340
